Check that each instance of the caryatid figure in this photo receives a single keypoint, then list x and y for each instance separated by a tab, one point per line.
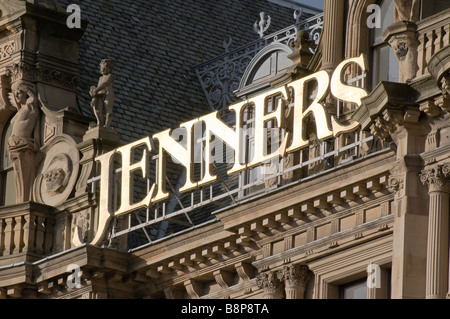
23	144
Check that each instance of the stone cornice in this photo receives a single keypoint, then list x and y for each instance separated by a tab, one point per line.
436	155
49	275
286	198
19	209
316	250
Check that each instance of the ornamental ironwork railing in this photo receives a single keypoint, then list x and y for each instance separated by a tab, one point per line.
221	76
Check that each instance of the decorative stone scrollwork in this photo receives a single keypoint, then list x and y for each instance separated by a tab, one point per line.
6	49
436	178
46	75
443	101
6	100
395	184
273	287
445	84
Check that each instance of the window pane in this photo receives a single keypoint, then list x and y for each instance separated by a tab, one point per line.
387	18
283	62
385	65
264	70
355	291
389	67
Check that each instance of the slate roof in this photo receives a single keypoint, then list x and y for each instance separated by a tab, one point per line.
155	44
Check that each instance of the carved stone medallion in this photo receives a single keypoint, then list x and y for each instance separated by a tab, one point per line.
58	172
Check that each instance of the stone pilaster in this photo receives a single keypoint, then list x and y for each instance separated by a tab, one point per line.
271	284
295	278
333	33
437	267
391	113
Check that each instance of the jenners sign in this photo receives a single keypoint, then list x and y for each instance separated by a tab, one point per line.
326	125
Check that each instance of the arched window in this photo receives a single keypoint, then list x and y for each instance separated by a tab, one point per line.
7	179
385	65
269	63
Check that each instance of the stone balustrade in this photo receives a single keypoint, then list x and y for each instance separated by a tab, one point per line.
433	34
26	233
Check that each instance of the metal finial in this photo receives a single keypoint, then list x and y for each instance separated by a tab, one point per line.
297	16
262	26
227	44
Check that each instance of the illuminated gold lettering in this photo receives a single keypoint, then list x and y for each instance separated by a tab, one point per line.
214	126
347	93
261	118
184	155
180	153
323	131
127	170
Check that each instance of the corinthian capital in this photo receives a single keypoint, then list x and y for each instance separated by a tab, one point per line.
294	275
271	284
436	178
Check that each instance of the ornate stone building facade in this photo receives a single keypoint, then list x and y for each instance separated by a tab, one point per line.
306	160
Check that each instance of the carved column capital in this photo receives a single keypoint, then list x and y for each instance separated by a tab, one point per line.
295	278
436	178
271	284
294	275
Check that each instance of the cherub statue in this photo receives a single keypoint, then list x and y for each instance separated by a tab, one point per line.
406	10
103	95
23	144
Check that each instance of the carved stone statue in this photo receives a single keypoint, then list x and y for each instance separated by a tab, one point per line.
23	144
103	95
406	10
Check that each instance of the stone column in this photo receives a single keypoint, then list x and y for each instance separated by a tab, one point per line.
437	266
295	278
272	286
333	33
